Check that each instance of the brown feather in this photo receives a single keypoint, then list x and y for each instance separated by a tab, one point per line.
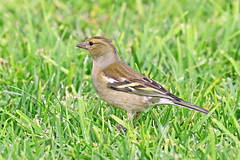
120	70
120	85
129	80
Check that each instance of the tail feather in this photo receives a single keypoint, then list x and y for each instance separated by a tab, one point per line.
191	106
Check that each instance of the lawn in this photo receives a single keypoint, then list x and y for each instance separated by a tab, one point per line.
50	110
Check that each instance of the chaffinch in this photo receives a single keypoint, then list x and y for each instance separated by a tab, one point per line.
123	87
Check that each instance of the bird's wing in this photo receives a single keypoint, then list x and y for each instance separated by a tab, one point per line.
123	78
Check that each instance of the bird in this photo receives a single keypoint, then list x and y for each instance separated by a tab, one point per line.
120	85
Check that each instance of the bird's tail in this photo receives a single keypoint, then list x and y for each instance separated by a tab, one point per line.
191	106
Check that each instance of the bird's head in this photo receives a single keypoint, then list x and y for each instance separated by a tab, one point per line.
101	49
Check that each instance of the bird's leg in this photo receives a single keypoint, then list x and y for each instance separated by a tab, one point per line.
131	119
136	116
130	114
120	127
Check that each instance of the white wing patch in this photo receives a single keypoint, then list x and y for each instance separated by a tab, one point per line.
110	80
123	79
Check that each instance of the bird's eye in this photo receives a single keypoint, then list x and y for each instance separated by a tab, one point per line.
91	43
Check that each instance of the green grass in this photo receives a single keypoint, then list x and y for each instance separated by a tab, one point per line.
48	105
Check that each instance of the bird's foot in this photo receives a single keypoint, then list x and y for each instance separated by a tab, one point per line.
136	126
121	128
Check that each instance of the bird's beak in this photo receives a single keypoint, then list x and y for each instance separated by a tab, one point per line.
82	45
